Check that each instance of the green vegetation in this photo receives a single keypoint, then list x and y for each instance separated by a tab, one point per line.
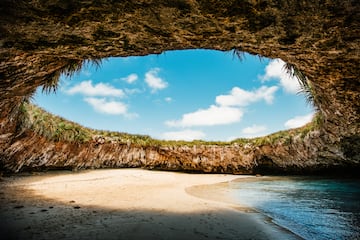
240	54
56	128
73	66
306	87
282	136
52	127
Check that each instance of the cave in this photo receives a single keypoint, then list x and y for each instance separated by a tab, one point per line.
42	39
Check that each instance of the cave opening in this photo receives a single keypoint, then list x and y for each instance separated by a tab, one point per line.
180	95
40	42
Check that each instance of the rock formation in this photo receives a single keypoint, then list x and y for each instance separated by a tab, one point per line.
41	39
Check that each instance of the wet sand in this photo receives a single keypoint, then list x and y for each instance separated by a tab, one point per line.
126	204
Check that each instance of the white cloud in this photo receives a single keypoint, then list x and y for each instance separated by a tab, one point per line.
214	115
275	70
154	81
129	91
240	97
227	108
168	99
130	78
108	107
101	90
254	129
299	121
186	135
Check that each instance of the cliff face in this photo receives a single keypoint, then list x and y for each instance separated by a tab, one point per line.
38	39
301	156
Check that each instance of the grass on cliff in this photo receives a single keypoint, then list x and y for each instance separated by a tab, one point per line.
306	87
56	128
73	66
51	126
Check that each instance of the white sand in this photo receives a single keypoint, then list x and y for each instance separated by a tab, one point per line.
130	204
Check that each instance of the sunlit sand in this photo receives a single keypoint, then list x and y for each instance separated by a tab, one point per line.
128	204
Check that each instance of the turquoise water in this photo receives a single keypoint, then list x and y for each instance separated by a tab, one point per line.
313	208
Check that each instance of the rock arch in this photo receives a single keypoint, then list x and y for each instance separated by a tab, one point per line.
321	38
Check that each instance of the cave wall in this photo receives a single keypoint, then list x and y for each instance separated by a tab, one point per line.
321	38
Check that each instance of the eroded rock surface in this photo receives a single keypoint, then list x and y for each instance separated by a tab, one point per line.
321	38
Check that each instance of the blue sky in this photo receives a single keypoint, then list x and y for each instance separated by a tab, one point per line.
188	94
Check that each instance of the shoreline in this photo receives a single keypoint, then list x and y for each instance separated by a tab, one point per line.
218	192
127	204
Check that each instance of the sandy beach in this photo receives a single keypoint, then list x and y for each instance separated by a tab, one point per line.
126	204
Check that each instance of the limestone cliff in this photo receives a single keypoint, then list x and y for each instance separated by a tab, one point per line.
39	39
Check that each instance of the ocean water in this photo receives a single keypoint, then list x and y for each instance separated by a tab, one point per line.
312	208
